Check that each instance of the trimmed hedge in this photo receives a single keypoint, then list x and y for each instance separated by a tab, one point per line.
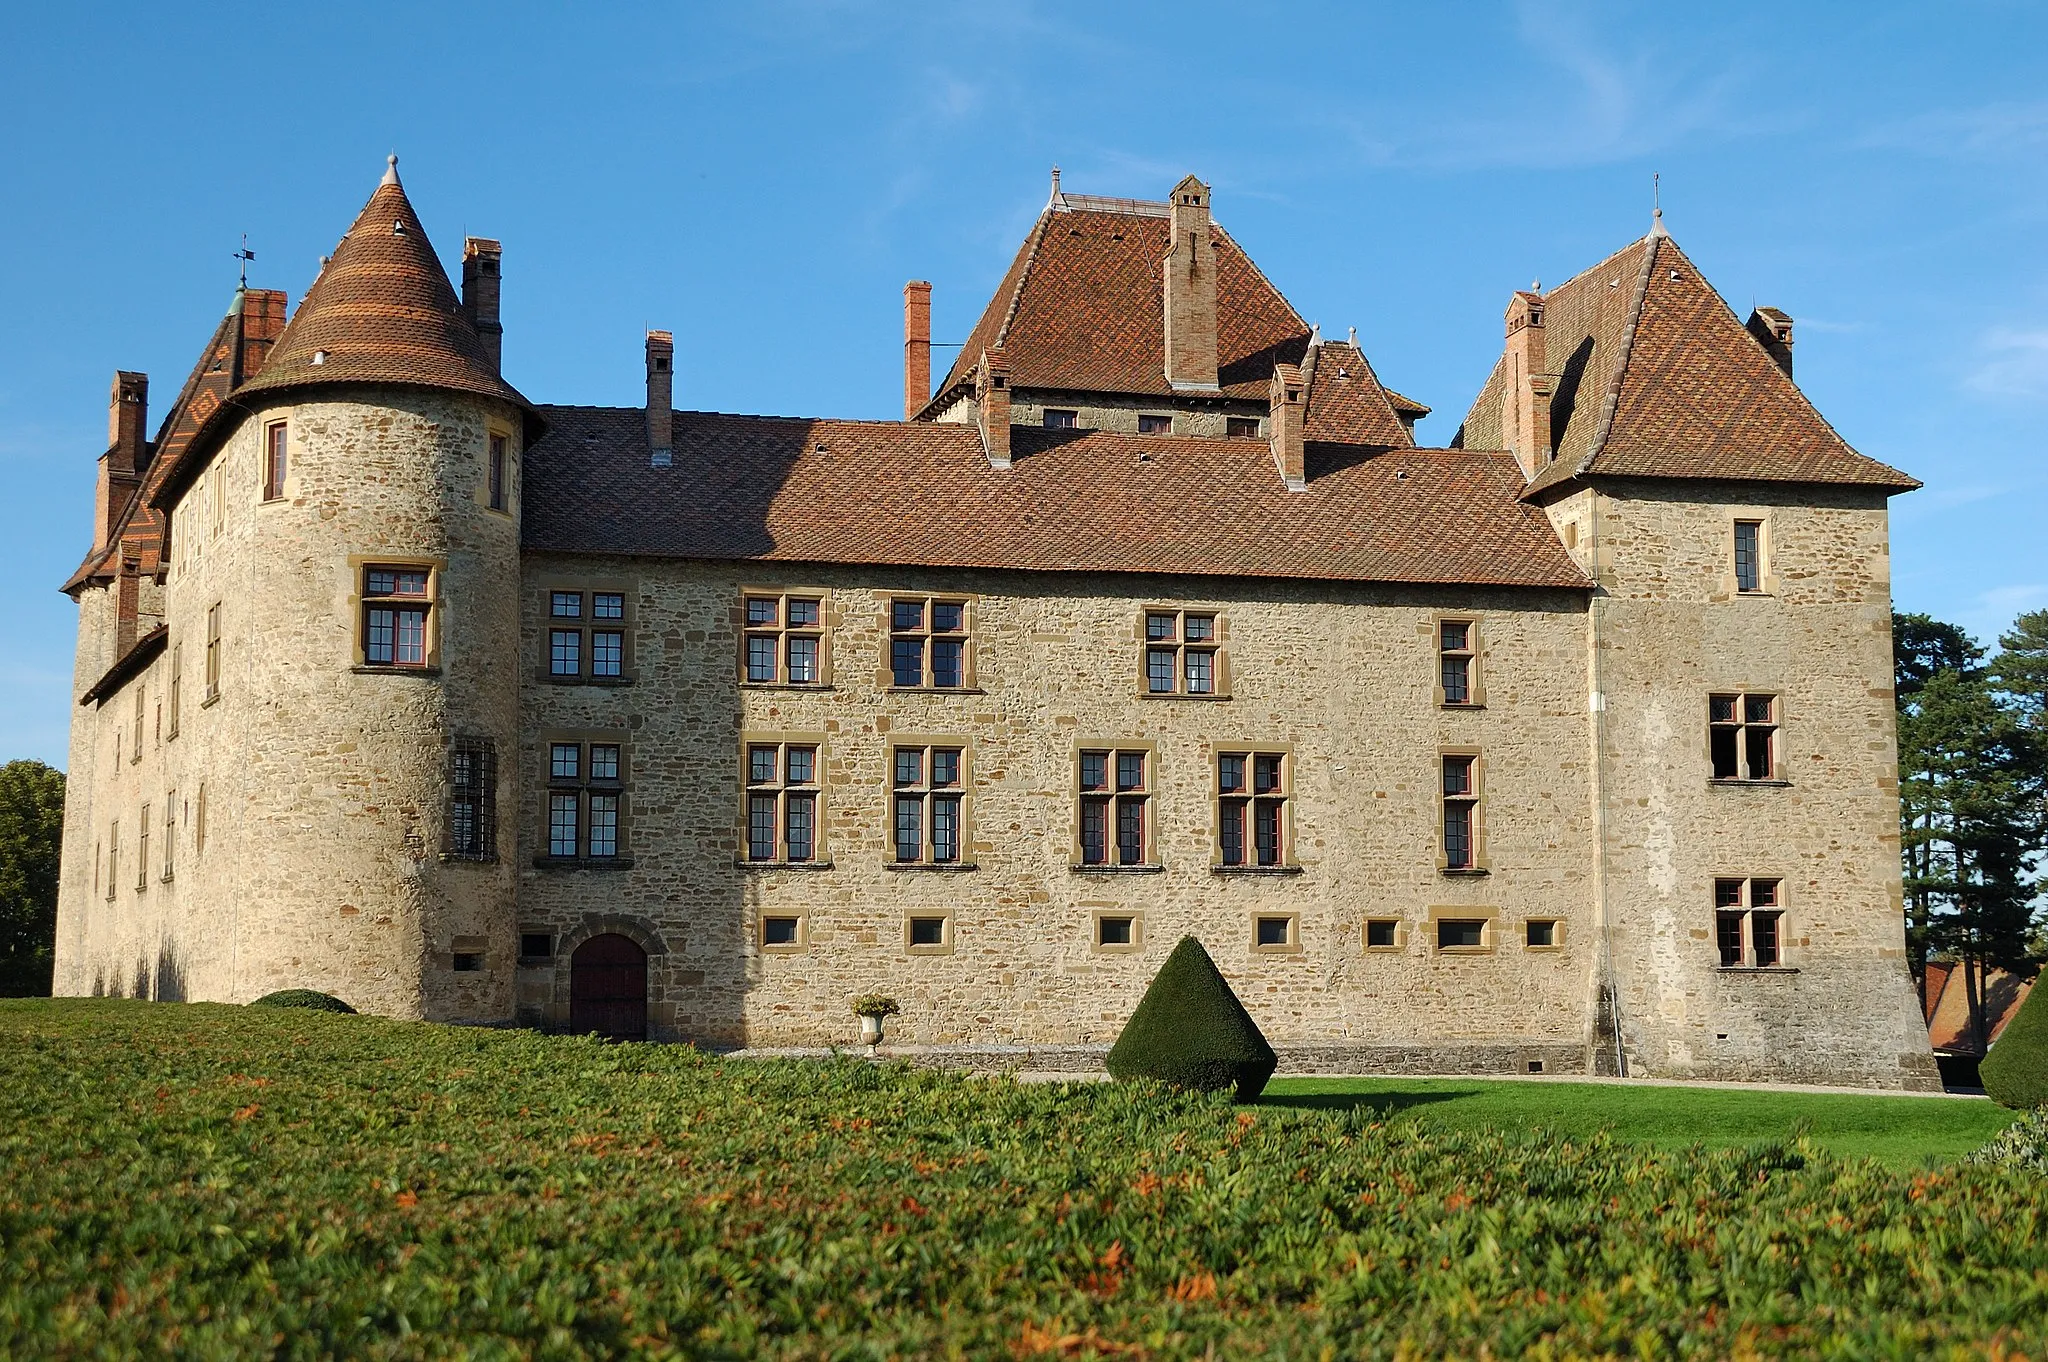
2022	1145
1190	1031
2015	1072
303	997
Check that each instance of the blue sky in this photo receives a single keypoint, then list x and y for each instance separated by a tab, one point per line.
762	178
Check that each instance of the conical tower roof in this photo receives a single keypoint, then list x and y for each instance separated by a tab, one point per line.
383	311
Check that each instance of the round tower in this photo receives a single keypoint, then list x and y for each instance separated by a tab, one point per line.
346	570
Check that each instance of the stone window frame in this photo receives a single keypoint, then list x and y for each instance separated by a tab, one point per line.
782	631
1135	916
1153	862
1739	724
1217	646
174	686
1474	654
141	711
965	831
483	787
1769	585
536	959
359	601
586	625
1399	943
970	603
1287	864
802	942
199	821
170	856
468	955
947	942
1746	908
142	848
213	653
583	785
277	460
1291	916
782	740
1557	934
495	491
1486	915
113	858
1476	798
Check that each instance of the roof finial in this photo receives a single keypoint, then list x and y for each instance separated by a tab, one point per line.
245	255
1054	202
1657	205
390	169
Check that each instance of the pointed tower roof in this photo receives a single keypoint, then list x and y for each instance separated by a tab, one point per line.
383	311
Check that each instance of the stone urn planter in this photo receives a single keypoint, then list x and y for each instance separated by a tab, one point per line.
872	1009
871	1030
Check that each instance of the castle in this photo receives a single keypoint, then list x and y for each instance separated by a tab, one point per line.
1568	748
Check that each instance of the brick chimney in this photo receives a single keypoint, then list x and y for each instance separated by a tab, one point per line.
481	261
1190	271
917	347
127	605
661	397
1525	396
992	400
1285	420
262	323
1773	331
127	454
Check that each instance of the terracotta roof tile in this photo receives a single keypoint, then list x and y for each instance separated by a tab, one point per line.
1346	402
791	490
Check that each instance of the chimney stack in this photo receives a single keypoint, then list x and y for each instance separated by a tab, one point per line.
992	401
1190	270
1286	417
661	396
1773	331
917	347
127	454
1525	396
481	261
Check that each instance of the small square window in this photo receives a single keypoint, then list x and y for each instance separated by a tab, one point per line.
1459	933
1151	424
469	962
607	605
1275	931
604	761
565	760
1379	933
566	605
1113	931
779	931
1062	420
536	946
1539	933
927	931
1241	427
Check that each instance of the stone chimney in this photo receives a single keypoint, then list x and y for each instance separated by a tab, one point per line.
481	261
1284	429
992	401
127	454
1773	331
1525	396
661	397
1190	271
917	347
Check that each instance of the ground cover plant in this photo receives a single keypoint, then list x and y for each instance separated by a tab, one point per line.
1908	1133
202	1180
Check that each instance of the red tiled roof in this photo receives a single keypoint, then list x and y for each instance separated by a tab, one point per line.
1658	379
1346	402
790	490
1948	1015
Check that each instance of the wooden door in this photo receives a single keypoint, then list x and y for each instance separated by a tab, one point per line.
608	988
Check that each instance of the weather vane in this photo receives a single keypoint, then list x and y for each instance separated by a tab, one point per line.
245	255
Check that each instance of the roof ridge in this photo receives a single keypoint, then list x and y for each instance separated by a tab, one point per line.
1258	273
1610	401
1038	230
1381	388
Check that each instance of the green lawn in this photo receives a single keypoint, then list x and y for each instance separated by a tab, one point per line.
1905	1132
214	1181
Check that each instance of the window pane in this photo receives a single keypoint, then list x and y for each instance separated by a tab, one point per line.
1266	830
604	825
565	652
378	640
1154	425
1728	935
761	827
909	766
562	825
1763	938
1130	770
801	819
1539	932
1159	670
1757	753
1094	770
945	828
1721	709
760	657
1727	893
1458	836
1201	672
1457	775
1460	932
1722	746
1457	680
1453	634
1113	931
1266	773
1094	831
803	661
604	761
1241	427
607	653
1160	626
909	828
1379	933
945	766
382	582
947	655
1130	831
802	764
948	617
906	615
761	765
1230	830
1756	709
1061	420
927	931
565	760
1272	931
1747	559
1763	893
1230	773
761	610
412	638
906	661
1200	628
607	605
566	605
778	931
803	613
410	583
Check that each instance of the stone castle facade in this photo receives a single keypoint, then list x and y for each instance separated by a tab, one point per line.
1568	748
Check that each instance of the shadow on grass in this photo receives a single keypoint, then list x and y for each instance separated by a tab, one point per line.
1381	1104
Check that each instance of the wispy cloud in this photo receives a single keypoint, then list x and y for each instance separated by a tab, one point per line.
1989	131
1992	612
2013	363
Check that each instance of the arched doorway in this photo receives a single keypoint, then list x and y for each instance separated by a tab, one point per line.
608	988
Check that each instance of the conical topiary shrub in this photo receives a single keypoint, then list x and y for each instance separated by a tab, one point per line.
1192	1032
2015	1073
303	997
